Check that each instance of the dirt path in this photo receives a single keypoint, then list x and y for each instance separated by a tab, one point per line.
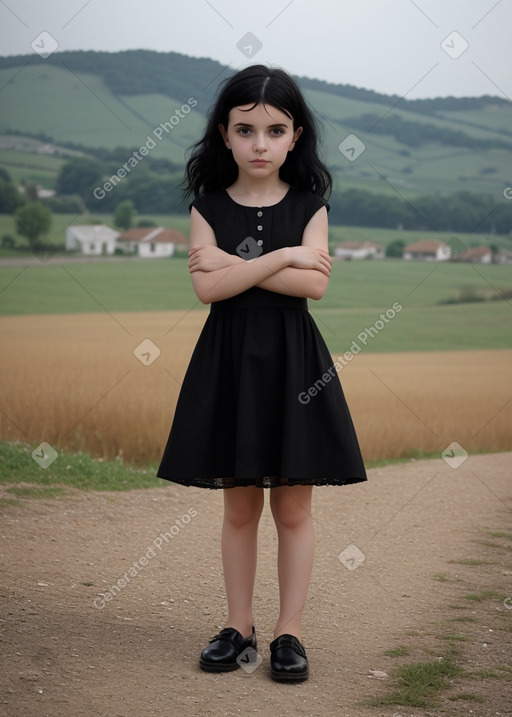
67	650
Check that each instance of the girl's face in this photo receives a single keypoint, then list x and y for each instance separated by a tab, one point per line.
260	138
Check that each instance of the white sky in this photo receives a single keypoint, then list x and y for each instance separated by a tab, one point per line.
391	46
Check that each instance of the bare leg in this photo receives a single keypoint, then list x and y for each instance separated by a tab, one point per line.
242	511
291	508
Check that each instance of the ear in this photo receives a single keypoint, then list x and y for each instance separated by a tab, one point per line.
224	134
296	136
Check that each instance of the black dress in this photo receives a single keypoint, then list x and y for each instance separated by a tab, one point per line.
261	403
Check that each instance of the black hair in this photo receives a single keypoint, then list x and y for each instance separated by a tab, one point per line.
211	165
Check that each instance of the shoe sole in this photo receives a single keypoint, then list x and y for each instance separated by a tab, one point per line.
212	667
283	677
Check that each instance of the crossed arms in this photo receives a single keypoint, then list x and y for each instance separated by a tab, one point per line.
296	271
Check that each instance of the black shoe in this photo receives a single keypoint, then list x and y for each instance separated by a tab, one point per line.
222	652
288	661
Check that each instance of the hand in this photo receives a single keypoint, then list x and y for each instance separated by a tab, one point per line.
307	257
207	257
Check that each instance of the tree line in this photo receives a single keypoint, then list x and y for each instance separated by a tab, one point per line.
417	134
459	212
85	183
160	192
133	72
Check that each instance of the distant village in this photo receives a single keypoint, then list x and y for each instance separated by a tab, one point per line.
146	242
159	242
424	250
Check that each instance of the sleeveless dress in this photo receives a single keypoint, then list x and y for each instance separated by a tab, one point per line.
261	403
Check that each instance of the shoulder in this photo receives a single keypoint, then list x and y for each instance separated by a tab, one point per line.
304	204
208	199
209	204
311	201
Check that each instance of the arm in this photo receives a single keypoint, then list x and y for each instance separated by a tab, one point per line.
309	283
240	275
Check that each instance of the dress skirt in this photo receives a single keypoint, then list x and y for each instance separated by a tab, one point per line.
261	403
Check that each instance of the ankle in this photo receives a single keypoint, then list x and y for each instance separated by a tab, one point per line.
243	627
289	629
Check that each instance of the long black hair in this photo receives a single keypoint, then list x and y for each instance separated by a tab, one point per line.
211	165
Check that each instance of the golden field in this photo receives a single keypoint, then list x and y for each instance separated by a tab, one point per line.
73	381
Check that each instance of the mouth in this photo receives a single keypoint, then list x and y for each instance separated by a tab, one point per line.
259	162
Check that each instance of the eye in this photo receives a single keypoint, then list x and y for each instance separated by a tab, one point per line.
244	131
276	131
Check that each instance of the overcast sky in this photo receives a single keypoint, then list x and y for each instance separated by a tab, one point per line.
411	48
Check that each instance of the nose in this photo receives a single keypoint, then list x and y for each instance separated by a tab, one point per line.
260	144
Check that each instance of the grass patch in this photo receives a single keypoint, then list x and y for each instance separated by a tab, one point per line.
485	595
490	544
470	561
441	577
505	536
417	684
73	470
506	670
411	456
6	502
399	651
462	618
457	638
468	696
502	672
36	491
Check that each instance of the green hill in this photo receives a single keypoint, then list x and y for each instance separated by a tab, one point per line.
108	100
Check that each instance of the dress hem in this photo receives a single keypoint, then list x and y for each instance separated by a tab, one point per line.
265	482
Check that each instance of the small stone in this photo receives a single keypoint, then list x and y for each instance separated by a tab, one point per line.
379	674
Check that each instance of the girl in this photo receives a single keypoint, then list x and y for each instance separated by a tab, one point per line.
261	405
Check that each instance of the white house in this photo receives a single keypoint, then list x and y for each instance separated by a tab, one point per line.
151	242
428	250
93	240
476	255
503	257
359	250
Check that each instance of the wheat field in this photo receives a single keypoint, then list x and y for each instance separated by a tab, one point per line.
74	382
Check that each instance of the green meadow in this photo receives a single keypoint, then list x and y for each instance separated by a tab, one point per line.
359	292
79	106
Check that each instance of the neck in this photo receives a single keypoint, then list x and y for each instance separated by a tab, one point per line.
248	187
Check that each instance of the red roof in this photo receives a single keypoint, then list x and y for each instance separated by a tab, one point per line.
476	252
152	235
425	246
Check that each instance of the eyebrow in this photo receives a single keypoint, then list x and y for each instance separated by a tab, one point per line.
271	126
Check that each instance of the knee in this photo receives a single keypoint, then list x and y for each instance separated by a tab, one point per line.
288	512
242	510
